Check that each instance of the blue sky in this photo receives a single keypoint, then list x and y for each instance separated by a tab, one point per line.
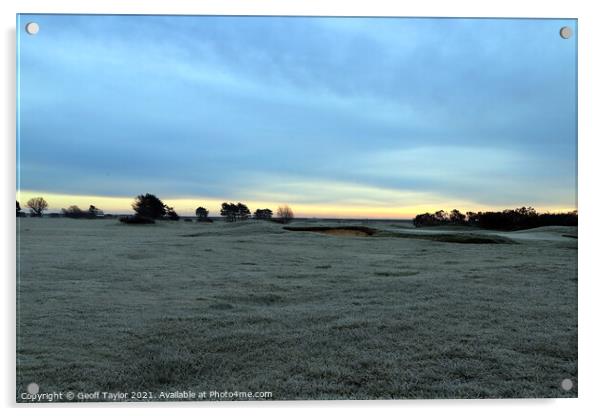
363	117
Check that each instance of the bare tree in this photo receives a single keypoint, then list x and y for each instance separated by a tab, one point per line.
37	206
285	214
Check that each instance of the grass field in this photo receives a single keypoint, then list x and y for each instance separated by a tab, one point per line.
249	306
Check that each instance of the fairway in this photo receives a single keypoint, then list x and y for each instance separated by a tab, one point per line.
250	306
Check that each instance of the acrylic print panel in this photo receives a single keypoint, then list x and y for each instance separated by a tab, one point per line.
284	208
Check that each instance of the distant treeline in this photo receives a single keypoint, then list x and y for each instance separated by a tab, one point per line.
75	212
509	219
148	208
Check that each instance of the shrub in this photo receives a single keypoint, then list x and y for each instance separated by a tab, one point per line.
94	212
136	219
74	212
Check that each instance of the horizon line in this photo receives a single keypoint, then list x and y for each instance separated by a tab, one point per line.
186	206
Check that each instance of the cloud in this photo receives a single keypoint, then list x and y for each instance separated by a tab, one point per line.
468	110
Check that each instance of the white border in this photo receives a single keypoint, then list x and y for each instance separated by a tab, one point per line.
590	71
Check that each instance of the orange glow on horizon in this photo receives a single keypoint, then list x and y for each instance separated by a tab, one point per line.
187	206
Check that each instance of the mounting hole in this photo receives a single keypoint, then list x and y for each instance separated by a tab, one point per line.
567	384
33	388
566	32
32	28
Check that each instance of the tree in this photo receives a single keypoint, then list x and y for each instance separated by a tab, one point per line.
285	214
229	211
234	212
74	212
456	217
426	219
149	206
242	211
525	211
171	214
473	217
441	216
94	212
37	206
263	214
202	214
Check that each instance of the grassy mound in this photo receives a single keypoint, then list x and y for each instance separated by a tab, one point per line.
361	231
459	238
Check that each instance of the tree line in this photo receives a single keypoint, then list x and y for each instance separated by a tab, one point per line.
148	208
38	205
509	219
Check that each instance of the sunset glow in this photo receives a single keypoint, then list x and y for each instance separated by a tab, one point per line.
187	206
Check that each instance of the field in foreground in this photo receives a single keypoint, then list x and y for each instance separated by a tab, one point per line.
104	306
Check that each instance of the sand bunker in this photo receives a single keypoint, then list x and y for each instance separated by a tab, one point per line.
359	231
351	231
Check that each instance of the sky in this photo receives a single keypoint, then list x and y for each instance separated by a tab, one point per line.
336	117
